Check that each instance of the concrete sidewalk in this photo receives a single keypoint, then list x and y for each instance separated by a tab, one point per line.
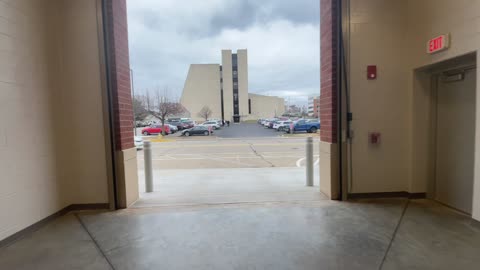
221	186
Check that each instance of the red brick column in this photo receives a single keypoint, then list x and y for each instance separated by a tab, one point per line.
119	77
328	73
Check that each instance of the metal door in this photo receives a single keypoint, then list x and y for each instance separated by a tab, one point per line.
455	138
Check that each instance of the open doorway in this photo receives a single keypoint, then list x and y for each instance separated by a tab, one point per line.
240	87
450	87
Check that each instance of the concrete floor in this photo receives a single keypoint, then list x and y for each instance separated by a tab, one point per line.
322	234
218	186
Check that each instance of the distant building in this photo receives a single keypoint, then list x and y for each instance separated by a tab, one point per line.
314	106
224	89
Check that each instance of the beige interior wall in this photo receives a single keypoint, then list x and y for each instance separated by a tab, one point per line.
29	185
202	88
52	150
328	156
393	35
377	37
127	177
78	99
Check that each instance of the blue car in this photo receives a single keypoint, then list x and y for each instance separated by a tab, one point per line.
304	125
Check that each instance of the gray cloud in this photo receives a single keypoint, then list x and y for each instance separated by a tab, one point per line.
242	14
282	38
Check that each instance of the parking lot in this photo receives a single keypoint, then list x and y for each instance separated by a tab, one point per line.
237	146
241	163
228	153
235	131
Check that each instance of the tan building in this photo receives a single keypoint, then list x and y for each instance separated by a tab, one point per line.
263	106
314	106
202	88
224	89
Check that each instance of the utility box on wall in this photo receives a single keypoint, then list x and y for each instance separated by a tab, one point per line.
371	72
374	138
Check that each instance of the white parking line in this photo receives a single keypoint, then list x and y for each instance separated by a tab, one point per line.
299	162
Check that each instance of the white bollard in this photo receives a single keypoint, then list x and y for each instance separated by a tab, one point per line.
147	152
309	161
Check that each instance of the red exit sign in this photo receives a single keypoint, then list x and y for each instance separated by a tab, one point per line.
437	44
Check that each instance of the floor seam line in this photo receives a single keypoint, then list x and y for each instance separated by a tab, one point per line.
94	241
261	156
394	235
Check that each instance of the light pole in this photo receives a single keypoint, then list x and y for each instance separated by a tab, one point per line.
133	103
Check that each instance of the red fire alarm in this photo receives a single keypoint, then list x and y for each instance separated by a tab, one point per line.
371	72
374	138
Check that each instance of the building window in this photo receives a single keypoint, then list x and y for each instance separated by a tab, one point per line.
249	106
235	84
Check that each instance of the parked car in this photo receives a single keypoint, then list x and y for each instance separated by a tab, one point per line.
197	130
187	124
280	125
264	122
155	129
219	122
213	124
271	123
149	123
303	125
173	128
177	123
267	122
138	142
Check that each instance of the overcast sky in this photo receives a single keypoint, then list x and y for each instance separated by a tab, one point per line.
282	38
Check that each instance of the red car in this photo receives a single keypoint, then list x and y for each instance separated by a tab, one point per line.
155	129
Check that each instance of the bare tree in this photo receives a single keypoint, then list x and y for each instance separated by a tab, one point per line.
139	110
304	111
205	113
162	106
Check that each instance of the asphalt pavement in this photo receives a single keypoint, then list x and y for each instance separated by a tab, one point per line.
207	153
